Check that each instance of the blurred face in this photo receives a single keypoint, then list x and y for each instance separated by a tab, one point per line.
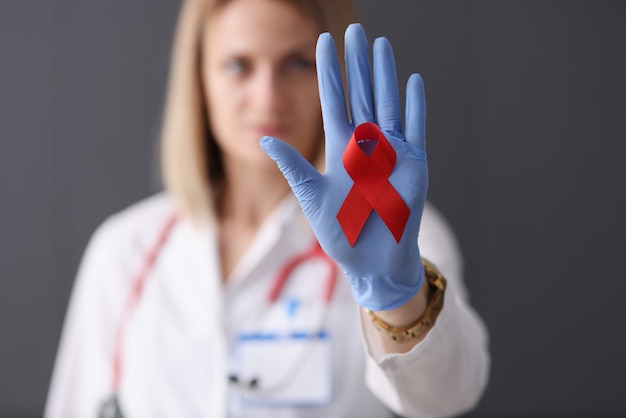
259	73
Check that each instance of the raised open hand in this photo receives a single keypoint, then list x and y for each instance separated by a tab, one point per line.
384	272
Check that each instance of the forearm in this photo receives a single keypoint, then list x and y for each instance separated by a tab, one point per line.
452	359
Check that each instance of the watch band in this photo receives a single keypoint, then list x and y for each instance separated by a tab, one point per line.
420	327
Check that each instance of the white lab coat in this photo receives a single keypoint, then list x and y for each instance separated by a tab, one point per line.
179	342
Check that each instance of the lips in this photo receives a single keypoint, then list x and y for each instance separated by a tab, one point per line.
276	130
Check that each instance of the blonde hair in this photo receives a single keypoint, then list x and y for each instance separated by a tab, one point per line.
190	158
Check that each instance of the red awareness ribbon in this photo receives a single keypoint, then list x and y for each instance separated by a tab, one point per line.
371	189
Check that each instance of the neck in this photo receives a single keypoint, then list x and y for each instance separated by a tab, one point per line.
249	196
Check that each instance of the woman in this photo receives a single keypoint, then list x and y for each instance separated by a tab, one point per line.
175	311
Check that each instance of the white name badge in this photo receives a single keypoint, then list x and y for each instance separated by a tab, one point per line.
284	370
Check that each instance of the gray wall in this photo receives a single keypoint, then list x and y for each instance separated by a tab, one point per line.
526	130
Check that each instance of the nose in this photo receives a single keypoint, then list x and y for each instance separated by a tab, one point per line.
267	92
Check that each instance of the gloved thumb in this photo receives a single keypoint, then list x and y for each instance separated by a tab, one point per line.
300	174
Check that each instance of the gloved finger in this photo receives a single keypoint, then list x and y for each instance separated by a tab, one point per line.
297	170
415	118
358	74
386	95
332	97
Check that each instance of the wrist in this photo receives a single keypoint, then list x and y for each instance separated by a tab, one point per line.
416	330
380	292
409	312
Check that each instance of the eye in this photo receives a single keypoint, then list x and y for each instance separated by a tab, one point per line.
237	66
301	63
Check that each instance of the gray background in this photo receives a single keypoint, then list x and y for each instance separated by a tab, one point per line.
526	131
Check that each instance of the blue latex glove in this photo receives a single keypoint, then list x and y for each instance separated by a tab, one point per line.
383	274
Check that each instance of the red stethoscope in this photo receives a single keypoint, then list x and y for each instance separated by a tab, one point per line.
111	408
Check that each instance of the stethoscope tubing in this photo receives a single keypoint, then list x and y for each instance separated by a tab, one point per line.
134	296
